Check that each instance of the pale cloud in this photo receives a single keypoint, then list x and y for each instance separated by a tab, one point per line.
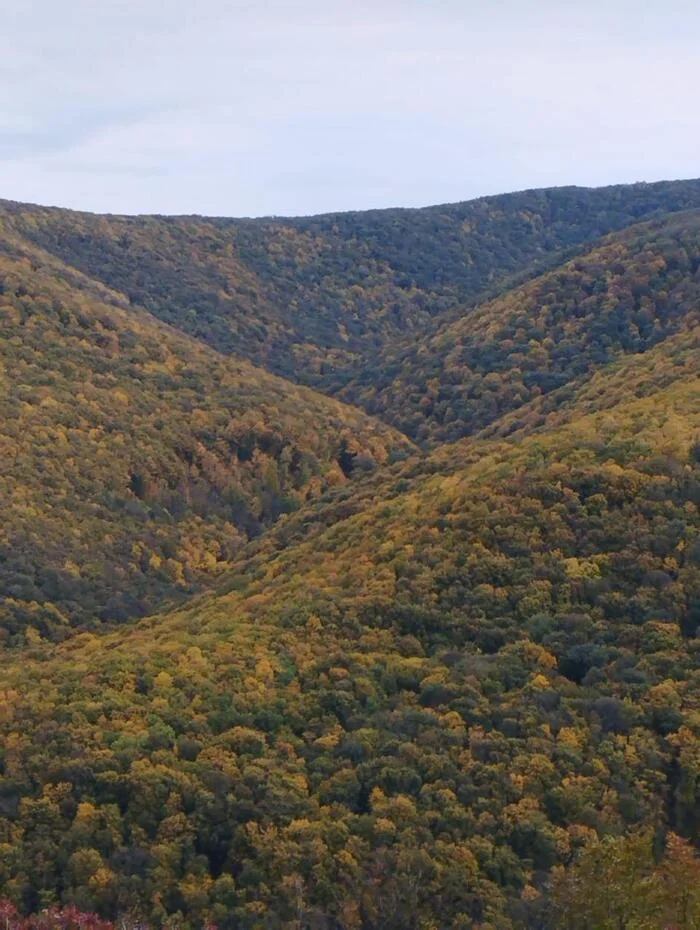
237	108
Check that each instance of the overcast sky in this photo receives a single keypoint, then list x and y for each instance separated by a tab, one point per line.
251	107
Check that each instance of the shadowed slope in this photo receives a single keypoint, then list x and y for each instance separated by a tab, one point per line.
313	298
625	296
136	461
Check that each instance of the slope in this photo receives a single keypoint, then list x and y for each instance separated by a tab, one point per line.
313	298
414	700
626	295
136	461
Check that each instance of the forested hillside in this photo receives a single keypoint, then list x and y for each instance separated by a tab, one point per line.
136	461
407	708
623	297
453	686
312	298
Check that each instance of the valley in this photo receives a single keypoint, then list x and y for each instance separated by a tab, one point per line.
351	564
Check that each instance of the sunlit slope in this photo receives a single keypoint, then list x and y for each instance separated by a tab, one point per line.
414	700
624	297
136	461
313	298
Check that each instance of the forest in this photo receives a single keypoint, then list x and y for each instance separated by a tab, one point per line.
350	567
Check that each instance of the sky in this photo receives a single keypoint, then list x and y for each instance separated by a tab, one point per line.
288	107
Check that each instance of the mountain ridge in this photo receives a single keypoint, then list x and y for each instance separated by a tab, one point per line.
629	291
402	687
311	297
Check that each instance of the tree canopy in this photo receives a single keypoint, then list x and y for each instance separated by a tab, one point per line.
378	687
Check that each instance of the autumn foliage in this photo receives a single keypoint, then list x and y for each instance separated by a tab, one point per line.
376	687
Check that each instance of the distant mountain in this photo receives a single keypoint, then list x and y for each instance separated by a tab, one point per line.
136	461
629	293
313	298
